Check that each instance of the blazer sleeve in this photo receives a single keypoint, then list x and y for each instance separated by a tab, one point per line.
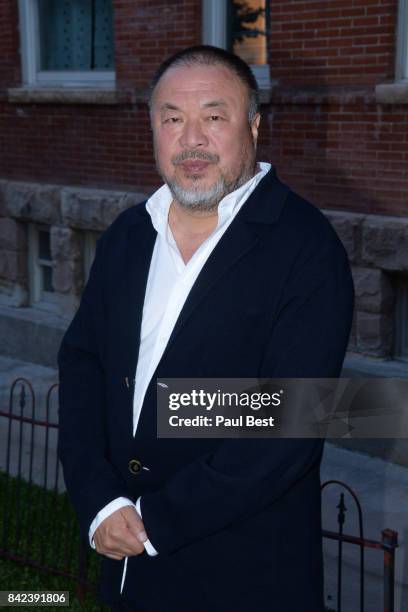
90	479
308	338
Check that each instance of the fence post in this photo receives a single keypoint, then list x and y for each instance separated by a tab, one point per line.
389	540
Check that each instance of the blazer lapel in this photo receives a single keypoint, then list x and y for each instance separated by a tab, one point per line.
232	246
262	207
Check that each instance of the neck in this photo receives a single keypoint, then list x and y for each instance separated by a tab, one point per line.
192	223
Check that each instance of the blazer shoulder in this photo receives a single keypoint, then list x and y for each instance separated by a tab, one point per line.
134	215
307	220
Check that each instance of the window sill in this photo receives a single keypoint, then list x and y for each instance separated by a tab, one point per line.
392	93
65	95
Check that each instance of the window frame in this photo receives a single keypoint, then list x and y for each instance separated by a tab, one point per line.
400	348
91	238
30	53
401	66
214	32
38	297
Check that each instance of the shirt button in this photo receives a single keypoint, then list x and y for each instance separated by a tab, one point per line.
135	466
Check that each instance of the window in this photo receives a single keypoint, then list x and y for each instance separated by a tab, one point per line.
67	42
401	319
401	71
241	27
40	265
91	238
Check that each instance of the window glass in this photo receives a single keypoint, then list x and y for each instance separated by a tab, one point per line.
246	34
46	272
76	34
44	247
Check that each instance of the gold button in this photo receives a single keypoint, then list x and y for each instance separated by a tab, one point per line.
135	466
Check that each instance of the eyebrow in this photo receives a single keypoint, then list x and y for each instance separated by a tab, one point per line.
168	106
213	104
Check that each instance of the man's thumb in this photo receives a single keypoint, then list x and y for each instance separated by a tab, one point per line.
135	526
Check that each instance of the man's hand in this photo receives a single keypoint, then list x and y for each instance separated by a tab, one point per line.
121	534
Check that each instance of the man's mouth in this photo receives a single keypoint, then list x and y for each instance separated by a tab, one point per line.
194	165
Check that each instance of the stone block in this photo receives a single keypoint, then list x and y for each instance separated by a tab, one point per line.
13	294
33	202
66	244
374	334
13	265
67	276
12	235
348	227
31	335
385	243
373	290
94	209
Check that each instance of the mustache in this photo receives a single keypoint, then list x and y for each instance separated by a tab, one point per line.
184	155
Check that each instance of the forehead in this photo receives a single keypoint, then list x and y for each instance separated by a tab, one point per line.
198	83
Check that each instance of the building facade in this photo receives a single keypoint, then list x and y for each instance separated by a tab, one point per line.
76	142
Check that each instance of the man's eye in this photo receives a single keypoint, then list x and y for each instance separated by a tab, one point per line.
214	118
172	120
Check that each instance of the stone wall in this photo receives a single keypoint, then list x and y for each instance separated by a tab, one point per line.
378	250
377	247
69	213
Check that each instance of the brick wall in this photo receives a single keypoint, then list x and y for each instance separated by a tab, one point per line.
334	41
102	146
323	130
9	57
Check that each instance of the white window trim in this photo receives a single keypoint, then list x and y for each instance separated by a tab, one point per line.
45	300
29	32
401	66
214	23
214	32
397	92
34	273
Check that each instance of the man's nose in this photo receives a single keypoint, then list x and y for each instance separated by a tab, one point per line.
193	135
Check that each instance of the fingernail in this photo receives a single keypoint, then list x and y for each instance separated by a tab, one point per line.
142	537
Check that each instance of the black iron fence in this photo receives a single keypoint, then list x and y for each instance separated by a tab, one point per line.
388	544
38	526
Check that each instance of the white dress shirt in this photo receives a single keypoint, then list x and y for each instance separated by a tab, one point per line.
168	286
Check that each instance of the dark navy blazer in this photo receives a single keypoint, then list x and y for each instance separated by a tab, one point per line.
236	522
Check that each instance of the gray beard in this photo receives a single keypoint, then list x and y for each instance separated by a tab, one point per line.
205	200
201	200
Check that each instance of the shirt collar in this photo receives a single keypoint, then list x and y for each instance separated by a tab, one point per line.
159	203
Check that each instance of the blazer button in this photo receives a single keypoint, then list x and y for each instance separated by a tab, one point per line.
135	466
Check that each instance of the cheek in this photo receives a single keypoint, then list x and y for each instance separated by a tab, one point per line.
237	150
163	150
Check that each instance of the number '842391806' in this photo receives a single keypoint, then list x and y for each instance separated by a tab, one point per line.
38	598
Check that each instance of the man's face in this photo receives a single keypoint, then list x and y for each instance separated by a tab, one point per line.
204	145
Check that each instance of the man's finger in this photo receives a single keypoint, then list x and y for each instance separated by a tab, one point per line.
126	545
121	534
114	557
134	523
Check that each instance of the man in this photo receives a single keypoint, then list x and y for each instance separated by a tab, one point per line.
224	272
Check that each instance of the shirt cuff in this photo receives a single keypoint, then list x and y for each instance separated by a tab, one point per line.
149	548
119	502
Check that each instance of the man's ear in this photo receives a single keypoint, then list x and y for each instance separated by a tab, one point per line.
255	126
